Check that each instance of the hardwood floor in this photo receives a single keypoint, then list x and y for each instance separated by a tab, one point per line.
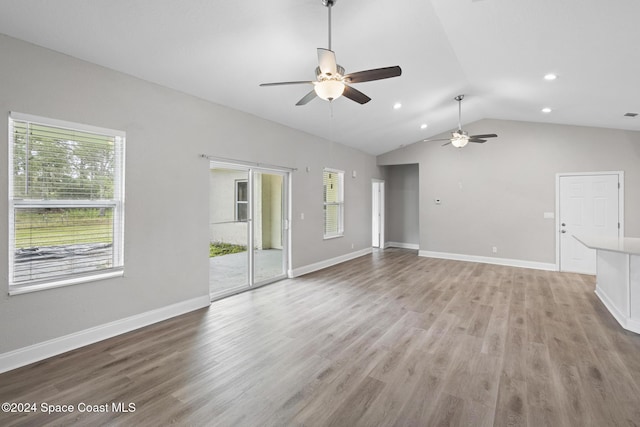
389	339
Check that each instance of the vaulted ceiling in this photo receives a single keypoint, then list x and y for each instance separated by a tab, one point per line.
494	51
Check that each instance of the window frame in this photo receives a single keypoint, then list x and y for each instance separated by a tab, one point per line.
238	202
116	203
339	204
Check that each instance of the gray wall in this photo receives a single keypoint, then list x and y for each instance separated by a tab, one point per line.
167	184
495	194
401	204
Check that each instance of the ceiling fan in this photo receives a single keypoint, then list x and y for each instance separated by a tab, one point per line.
331	81
460	138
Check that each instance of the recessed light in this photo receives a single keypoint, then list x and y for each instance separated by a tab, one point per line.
423	126
397	106
550	76
546	110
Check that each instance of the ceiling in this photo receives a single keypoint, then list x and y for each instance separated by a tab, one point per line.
494	51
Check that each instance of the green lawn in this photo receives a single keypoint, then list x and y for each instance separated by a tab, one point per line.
220	248
38	229
48	227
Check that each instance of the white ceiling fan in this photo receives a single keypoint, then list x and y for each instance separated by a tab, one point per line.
460	138
331	81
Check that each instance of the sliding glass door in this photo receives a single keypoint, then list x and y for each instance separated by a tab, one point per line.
268	227
247	228
228	230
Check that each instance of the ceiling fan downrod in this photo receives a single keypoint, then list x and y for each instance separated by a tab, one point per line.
459	98
329	4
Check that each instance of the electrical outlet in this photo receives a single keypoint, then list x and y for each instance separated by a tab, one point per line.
301	215
353	245
494	250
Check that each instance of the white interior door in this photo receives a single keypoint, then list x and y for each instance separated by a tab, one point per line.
377	214
588	206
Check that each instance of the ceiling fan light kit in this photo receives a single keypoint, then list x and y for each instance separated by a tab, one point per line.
331	80
329	90
329	85
460	138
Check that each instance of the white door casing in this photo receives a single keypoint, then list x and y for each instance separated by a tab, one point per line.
377	214
589	204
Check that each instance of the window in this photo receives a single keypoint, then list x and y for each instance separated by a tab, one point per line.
66	192
242	199
333	203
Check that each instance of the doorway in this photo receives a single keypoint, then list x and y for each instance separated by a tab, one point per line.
588	204
377	214
248	240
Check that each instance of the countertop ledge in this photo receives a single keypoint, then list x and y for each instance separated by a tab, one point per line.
625	245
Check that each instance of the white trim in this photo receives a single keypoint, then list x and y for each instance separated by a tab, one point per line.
624	321
620	204
67	281
490	260
234	164
327	263
287	209
402	245
332	236
381	206
21	117
43	350
633	326
333	170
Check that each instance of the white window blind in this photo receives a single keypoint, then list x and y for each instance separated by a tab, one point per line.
333	181
66	191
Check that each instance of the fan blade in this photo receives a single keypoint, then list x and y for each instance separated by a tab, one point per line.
327	61
446	143
478	140
308	97
434	140
375	74
355	95
286	83
489	135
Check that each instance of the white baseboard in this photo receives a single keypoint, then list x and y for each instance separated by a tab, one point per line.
490	260
40	351
402	245
327	263
624	321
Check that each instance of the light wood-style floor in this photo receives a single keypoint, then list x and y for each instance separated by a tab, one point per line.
389	339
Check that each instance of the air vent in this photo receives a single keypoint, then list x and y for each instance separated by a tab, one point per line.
630	114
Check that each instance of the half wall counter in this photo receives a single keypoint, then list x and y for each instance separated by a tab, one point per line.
618	277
